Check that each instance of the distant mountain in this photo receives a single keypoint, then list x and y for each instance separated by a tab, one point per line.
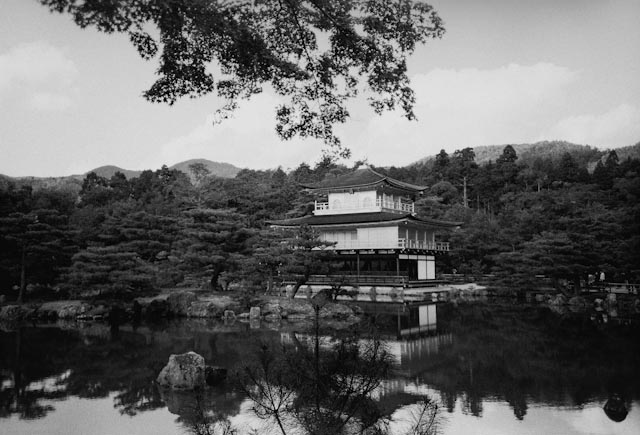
74	182
71	183
217	169
108	171
583	154
632	151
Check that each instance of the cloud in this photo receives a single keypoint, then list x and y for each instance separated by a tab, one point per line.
456	108
247	139
617	127
39	74
469	107
49	101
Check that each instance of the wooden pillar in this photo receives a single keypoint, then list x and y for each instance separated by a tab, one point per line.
397	264
358	266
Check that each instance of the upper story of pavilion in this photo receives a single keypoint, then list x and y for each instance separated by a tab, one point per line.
364	191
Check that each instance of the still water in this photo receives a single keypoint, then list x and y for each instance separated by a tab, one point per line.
483	368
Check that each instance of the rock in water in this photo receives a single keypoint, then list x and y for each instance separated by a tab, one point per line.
615	408
184	371
254	313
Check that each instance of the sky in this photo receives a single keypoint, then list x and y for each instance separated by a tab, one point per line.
505	72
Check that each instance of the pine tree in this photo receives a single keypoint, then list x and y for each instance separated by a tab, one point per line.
35	245
129	254
206	242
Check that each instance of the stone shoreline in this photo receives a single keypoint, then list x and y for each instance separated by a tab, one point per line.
170	305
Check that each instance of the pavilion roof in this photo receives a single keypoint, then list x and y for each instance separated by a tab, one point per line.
361	218
361	178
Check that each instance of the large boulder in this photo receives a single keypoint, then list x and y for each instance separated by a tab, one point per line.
183	371
299	309
615	408
11	313
271	308
254	313
558	300
203	309
296	308
73	310
180	302
336	311
95	313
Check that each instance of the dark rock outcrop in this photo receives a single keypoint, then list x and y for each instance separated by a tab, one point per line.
157	309
180	302
299	309
214	375
183	371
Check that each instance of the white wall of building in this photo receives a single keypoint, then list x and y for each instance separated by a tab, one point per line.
360	202
363	202
362	238
378	237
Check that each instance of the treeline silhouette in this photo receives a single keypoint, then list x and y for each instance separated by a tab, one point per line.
548	216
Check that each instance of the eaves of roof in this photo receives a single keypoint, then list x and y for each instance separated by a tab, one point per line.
361	218
359	179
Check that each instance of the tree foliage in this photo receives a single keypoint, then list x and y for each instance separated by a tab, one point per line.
521	220
317	54
210	242
35	247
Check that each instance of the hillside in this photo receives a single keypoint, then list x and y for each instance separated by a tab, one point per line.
218	169
632	151
70	183
108	171
585	155
74	182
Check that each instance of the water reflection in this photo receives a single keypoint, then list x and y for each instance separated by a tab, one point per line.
319	388
472	358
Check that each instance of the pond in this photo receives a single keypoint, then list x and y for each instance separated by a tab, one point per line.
482	368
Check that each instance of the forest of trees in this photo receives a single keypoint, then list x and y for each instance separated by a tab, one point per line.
125	237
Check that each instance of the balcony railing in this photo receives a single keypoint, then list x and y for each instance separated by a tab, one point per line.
391	244
322	206
359	279
380	205
395	205
430	246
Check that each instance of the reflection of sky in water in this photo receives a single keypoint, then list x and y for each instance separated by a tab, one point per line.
498	419
97	416
75	416
419	362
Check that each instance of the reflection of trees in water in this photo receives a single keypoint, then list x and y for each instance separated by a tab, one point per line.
526	355
521	355
21	364
204	411
326	389
41	364
94	361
